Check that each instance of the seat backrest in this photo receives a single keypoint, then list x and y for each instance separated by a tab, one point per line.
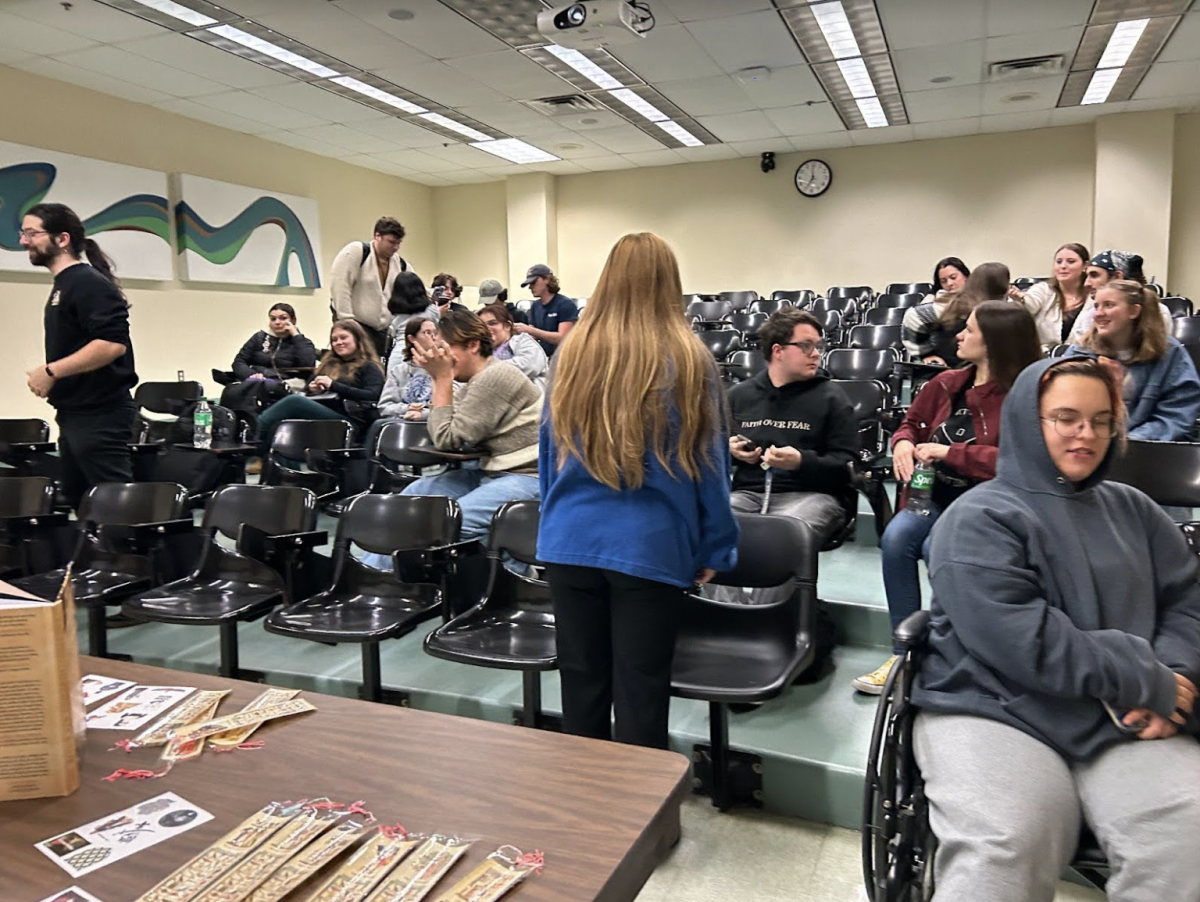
709	311
1178	306
771	551
831	320
293	437
885	316
275	509
406	442
860	363
742	365
385	523
874	337
26	496
787	294
739	300
1169	472
126	503
721	342
921	288
1187	329
746	323
904	299
863	292
514	531
25	430
167	397
867	396
769	307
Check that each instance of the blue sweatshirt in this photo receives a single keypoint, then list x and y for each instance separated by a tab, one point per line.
1051	597
1163	396
665	531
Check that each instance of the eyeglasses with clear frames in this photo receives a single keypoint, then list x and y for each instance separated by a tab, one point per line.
1070	425
808	347
32	233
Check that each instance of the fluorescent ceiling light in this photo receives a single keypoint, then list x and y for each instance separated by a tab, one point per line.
872	112
516	151
584	67
858	79
447	122
377	94
831	19
273	50
679	133
635	103
178	11
1100	86
1121	43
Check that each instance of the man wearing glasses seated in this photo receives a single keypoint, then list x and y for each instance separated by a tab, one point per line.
793	430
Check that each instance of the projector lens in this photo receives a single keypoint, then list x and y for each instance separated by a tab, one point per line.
576	14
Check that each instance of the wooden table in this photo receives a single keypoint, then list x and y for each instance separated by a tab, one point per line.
604	814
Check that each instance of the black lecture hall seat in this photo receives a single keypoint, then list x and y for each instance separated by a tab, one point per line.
1178	306
900	299
307	441
743	653
512	626
858	292
721	342
708	312
1169	472
26	507
742	365
885	316
738	300
860	363
874	337
121	530
748	324
366	605
921	288
272	526
768	307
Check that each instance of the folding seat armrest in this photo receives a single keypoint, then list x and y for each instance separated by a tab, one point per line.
913	631
346	453
295	540
23	526
33	447
436	555
139	538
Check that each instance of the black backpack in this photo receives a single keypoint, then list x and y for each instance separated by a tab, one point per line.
225	425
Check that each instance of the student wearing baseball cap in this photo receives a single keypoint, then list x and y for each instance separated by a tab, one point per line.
492	292
552	314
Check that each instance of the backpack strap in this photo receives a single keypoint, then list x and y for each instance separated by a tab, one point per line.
366	252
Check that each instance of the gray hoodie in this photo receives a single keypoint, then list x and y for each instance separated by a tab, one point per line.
1051	597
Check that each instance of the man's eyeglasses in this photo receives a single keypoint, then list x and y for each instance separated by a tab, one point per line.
808	347
32	233
1069	425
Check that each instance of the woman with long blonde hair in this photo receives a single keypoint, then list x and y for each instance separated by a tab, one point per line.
634	464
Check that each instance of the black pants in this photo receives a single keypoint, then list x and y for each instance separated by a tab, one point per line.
616	639
93	447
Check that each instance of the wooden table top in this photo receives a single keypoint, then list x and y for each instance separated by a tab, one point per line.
603	814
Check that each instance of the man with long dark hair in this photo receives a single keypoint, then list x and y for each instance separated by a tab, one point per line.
89	357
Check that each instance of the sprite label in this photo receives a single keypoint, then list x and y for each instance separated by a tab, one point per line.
922	480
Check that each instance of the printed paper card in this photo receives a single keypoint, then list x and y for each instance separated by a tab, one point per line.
71	894
134	708
97	688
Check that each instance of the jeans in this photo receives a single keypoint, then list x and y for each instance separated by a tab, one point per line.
478	494
904	542
293	407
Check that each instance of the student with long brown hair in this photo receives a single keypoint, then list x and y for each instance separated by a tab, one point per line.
1055	303
634	465
350	370
1159	381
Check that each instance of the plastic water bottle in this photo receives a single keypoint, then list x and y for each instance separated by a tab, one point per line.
202	425
920	490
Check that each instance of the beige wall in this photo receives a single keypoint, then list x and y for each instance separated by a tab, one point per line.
469	223
1185	209
175	327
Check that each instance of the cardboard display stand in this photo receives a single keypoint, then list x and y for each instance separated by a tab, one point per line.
41	704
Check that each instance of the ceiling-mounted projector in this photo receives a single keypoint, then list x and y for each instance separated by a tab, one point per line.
596	23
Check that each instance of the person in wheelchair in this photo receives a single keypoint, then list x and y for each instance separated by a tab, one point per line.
1062	662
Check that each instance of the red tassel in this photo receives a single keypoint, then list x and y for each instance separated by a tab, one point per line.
395	832
357	808
124	774
534	860
125	745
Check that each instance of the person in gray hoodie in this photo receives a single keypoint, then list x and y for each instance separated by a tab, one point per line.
1063	657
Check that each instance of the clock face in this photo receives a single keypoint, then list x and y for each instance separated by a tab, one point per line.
813	178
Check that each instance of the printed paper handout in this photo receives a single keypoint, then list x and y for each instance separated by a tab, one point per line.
97	688
133	709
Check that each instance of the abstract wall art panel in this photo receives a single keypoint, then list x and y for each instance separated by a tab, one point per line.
123	207
234	234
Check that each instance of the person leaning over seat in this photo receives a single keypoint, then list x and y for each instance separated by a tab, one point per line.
1158	379
1064	650
794	420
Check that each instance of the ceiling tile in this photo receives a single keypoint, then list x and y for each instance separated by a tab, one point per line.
784	87
88	19
1043	43
93	81
1011	122
9	55
997	97
893	134
753	39
558	167
335	31
251	106
607	164
221	118
805	143
664	157
1075	115
624	139
198	58
576	122
318	102
304	142
707	153
706	96
1021	16
965	101
417	160
440	83
1184	102
1184	43
757	148
512	74
506	170
962	63
462	156
695	10
1170	80
433	181
951	129
400	133
506	116
805	120
435	30
117	63
573	147
748	126
382	165
667	54
34	37
346	136
473	177
933	22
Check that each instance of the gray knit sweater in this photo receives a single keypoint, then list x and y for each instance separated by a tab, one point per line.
498	410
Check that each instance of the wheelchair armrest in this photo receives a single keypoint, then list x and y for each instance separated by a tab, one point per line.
913	631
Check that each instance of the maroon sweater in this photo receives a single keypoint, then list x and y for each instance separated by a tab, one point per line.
932	406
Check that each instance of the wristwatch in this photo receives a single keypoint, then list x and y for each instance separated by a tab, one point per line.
50	372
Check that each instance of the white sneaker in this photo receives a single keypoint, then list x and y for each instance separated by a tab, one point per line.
872	683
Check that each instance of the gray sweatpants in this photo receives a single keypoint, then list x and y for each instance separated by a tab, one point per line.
1006	810
822	513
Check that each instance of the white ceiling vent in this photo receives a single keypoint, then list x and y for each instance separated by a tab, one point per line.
1030	67
567	105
